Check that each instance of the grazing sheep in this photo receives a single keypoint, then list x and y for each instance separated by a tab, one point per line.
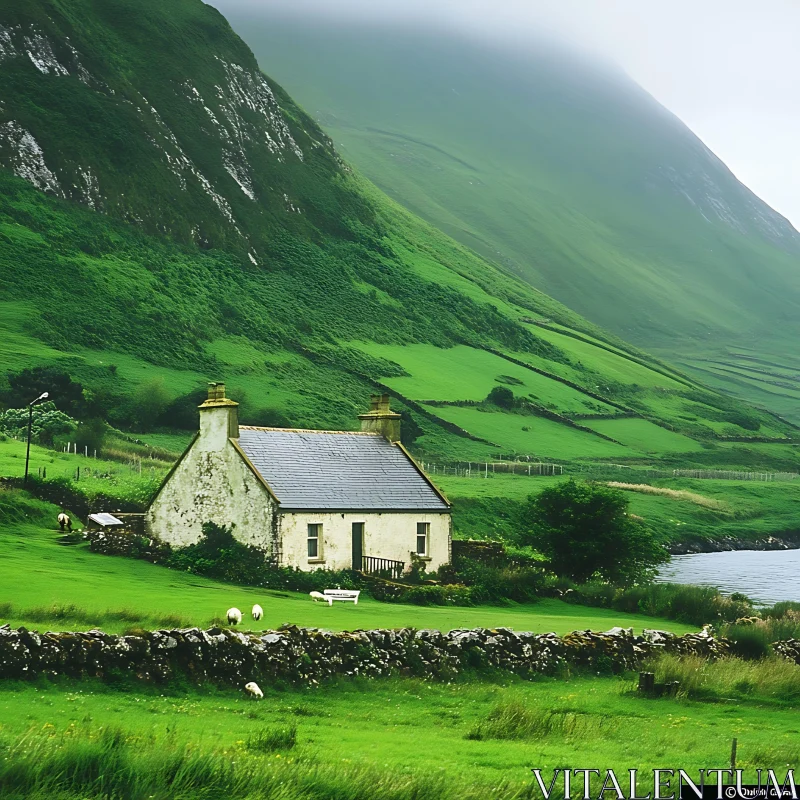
234	616
64	521
257	612
254	690
318	596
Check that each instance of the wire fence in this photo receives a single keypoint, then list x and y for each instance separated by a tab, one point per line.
474	469
730	475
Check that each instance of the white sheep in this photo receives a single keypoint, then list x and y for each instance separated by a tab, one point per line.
234	616
254	690
315	596
257	612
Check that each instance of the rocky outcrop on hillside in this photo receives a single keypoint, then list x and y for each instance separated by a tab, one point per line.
206	129
310	656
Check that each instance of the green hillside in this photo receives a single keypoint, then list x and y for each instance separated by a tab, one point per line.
567	173
168	216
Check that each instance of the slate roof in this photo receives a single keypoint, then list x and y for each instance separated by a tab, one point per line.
332	470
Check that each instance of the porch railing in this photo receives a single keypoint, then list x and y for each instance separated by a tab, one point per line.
382	567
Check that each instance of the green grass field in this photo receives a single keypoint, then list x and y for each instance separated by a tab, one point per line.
116	593
464	373
615	365
644	436
534	436
355	740
91	476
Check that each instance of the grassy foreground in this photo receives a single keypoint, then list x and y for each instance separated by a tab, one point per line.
394	738
46	585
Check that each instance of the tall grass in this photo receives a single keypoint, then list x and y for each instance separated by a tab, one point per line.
697	605
517	721
69	613
772	678
110	763
269	740
18	506
786	608
754	639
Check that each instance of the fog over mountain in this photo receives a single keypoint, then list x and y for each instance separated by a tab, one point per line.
728	68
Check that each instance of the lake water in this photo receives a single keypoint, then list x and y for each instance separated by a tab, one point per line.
766	576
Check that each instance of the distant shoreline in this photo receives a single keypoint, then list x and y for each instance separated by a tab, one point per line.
729	543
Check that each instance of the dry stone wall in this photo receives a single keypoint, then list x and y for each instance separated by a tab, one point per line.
789	648
310	656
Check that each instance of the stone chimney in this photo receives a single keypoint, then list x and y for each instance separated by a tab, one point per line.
219	418
379	419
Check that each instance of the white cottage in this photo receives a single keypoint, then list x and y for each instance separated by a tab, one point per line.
311	499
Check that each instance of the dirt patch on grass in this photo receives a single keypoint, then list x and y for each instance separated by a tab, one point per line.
675	494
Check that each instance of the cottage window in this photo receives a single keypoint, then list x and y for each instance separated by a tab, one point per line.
423	533
315	540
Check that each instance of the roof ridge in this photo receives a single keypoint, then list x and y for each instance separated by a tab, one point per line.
306	430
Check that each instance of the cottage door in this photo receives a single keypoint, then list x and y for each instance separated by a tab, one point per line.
358	545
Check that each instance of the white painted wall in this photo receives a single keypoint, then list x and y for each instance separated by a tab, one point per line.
213	484
387	535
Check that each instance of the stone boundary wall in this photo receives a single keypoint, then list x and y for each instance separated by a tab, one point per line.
310	656
789	648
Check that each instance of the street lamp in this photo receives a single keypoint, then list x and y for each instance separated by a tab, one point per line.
42	396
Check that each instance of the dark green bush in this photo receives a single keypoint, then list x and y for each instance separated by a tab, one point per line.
502	397
515	575
749	642
428	595
744	419
27	385
268	418
91	435
585	532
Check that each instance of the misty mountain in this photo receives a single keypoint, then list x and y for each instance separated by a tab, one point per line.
566	172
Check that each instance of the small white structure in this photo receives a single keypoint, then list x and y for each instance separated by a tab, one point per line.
103	521
346	595
311	499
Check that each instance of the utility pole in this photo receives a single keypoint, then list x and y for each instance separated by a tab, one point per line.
42	396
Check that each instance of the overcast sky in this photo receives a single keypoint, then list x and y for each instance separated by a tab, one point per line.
729	68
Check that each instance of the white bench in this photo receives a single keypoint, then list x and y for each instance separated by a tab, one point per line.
346	595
